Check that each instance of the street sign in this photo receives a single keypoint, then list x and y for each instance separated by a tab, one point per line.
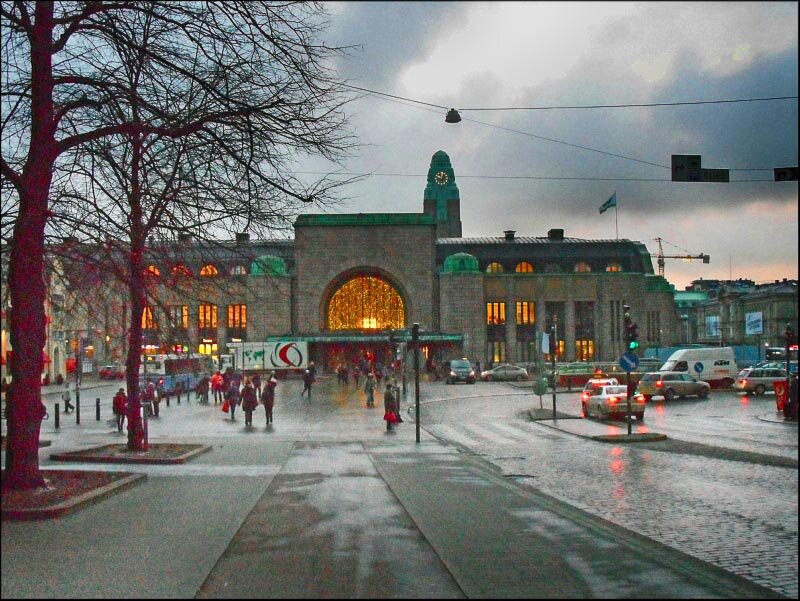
628	362
698	367
715	175
686	167
785	174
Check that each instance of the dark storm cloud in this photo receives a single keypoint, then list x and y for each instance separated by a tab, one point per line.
389	35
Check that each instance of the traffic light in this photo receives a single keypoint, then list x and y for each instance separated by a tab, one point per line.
633	336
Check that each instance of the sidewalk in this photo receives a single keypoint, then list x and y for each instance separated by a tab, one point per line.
336	507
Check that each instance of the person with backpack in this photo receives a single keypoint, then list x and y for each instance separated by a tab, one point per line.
120	407
268	396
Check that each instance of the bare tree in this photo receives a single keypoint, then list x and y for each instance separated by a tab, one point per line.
227	95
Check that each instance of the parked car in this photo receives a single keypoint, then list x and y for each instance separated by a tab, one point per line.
111	372
460	371
671	384
758	380
612	401
505	371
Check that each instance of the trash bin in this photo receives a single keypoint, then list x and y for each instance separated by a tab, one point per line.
540	386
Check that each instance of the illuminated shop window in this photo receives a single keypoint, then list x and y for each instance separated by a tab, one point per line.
209	270
524	267
366	303
494	267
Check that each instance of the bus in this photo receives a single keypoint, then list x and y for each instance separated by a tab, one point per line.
171	369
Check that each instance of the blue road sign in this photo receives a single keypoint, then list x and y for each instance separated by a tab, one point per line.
628	362
698	367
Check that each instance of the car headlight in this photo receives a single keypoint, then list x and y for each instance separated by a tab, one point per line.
472	372
452	374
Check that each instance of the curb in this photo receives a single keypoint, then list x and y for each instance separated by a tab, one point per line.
139	457
648	437
56	511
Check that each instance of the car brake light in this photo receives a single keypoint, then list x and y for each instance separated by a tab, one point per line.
660	384
612	400
585	396
744	382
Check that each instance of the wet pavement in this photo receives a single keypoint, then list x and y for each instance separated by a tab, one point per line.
326	503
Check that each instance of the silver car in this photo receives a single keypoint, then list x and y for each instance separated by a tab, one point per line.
758	379
612	401
505	371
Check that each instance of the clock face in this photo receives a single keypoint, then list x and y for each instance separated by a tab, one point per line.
441	178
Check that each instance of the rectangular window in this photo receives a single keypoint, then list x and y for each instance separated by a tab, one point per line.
148	318
237	316
495	313
207	316
584	350
179	316
526	314
497	351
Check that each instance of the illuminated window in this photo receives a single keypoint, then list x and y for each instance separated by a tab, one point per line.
209	270
582	267
495	313
152	270
179	316
524	267
584	350
207	316
366	303
497	351
207	348
181	269
238	270
614	267
525	313
494	267
237	316
148	320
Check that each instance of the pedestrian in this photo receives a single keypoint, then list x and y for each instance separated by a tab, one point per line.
159	394
202	390
308	381
217	382
149	396
65	396
268	396
179	392
120	407
256	381
369	388
396	390
478	369
232	396
356	374
249	401
389	408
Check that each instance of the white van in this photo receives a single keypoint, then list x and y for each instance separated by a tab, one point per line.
715	365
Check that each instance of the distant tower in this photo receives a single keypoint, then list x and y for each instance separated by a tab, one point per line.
441	199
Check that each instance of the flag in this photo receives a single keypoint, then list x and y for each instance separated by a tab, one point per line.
611	202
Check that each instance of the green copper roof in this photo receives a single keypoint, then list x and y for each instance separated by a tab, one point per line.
656	283
461	263
268	265
365	219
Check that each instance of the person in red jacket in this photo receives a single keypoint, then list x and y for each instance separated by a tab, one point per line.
120	407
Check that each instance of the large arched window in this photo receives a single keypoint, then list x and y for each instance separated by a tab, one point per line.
152	270
209	270
524	267
366	302
614	267
582	267
180	269
494	267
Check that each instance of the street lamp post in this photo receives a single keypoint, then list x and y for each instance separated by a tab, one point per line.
415	342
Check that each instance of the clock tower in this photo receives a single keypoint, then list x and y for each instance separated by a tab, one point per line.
441	200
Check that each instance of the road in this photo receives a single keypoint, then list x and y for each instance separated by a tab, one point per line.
723	488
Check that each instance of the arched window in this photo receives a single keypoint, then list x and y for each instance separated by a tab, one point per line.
614	267
523	267
209	270
238	270
152	270
180	269
552	268
366	303
582	267
494	267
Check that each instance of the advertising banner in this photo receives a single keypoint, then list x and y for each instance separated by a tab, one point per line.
753	324
269	355
712	326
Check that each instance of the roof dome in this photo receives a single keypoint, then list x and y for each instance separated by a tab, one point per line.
461	263
268	265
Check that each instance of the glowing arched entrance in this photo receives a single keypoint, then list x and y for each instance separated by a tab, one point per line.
366	302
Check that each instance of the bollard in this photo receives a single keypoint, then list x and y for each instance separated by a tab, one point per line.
58	415
167	400
77	409
97	409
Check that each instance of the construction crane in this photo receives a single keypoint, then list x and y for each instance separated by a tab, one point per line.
661	256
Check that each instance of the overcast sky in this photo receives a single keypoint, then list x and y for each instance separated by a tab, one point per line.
533	54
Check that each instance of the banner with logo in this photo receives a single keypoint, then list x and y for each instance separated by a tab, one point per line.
753	323
270	355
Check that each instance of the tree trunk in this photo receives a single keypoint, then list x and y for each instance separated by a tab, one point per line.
26	283
134	358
